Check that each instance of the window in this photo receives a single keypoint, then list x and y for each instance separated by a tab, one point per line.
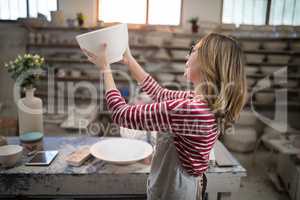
281	12
14	9
286	12
43	7
133	11
166	12
245	12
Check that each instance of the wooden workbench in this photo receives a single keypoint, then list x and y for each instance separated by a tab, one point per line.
96	178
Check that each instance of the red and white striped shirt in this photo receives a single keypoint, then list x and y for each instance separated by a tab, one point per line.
190	120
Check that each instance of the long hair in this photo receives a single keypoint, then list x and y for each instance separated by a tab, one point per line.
222	70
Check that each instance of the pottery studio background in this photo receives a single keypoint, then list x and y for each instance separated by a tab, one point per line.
161	32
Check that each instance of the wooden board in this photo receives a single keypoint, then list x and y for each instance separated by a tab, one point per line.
79	156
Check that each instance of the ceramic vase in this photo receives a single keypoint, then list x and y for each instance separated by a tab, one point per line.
30	113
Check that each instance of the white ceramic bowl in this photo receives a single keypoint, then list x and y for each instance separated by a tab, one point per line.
166	77
181	79
243	140
275	45
121	151
250	82
10	155
3	141
247	118
250	70
179	67
264	98
281	59
116	38
268	70
250	45
257	58
295	45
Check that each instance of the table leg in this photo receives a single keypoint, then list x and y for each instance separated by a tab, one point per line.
225	196
212	196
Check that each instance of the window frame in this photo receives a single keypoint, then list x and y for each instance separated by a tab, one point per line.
27	13
281	24
268	13
146	24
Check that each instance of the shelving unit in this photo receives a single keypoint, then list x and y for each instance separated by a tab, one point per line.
62	52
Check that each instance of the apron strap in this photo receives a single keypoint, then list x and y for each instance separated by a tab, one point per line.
204	186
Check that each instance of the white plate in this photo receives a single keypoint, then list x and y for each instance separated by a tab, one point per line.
121	150
116	38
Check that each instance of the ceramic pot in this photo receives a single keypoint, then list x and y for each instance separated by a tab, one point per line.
3	141
57	18
242	140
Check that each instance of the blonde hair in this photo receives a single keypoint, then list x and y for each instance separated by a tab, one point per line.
222	70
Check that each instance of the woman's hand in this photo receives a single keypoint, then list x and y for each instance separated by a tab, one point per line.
134	67
101	59
127	57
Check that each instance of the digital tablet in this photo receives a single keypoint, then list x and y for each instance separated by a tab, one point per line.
42	158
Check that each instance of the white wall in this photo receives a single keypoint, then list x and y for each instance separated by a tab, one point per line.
12	39
206	10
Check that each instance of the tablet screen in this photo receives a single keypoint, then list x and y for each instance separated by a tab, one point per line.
43	158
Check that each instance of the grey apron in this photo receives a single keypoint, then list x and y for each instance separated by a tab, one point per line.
167	180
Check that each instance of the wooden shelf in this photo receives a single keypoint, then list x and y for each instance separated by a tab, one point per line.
292	105
273	52
272	89
81	78
59	45
241	38
62	28
77	97
81	61
145	49
67	60
267	39
273	64
54	45
170	48
260	76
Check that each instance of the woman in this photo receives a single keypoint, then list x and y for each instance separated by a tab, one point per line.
188	122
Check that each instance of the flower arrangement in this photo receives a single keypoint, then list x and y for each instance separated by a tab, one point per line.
28	66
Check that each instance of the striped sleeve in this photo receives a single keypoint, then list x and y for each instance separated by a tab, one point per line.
151	117
158	93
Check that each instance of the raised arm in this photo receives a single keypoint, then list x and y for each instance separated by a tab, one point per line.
158	93
150	117
148	84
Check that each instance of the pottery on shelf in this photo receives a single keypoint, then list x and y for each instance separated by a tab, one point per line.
3	141
57	18
242	140
30	113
